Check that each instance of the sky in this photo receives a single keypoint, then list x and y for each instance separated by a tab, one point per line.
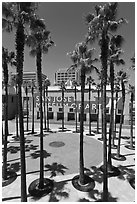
65	21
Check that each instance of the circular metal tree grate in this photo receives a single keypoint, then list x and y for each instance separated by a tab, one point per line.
57	144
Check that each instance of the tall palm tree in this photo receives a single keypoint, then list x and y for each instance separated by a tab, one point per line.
47	84
114	58
90	81
32	92
132	93
74	85
122	78
82	59
7	58
39	41
63	88
25	84
14	83
98	87
116	90
44	103
99	26
17	14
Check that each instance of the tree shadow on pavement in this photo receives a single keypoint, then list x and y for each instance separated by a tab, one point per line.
126	172
97	197
59	192
14	166
96	173
15	149
55	168
36	154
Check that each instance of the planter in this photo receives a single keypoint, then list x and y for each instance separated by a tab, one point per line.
11	177
88	186
35	191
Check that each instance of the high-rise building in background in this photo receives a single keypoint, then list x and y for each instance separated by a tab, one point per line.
66	76
29	76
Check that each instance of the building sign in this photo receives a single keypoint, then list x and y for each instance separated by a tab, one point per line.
69	101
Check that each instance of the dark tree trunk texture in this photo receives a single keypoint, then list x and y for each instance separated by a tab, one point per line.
4	173
111	114
81	176
20	38
27	126
131	121
17	135
121	119
89	109
76	109
39	74
47	108
62	109
104	56
44	109
98	112
32	91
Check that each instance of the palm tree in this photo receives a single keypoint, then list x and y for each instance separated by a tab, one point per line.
90	81
14	83
98	87
114	54
122	78
25	84
39	41
116	90
99	26
82	58
44	102
47	84
18	14
63	88
32	92
132	92
7	58
74	85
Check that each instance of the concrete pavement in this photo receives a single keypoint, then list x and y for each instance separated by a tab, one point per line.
61	160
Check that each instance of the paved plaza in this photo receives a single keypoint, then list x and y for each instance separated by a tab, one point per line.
61	164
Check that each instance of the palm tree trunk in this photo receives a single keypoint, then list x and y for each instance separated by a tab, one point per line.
44	110
104	56
121	119
32	110
47	109
131	121
62	109
112	114
89	110
17	135
81	176
39	74
22	148
20	38
115	124
27	111
98	113
76	109
6	135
